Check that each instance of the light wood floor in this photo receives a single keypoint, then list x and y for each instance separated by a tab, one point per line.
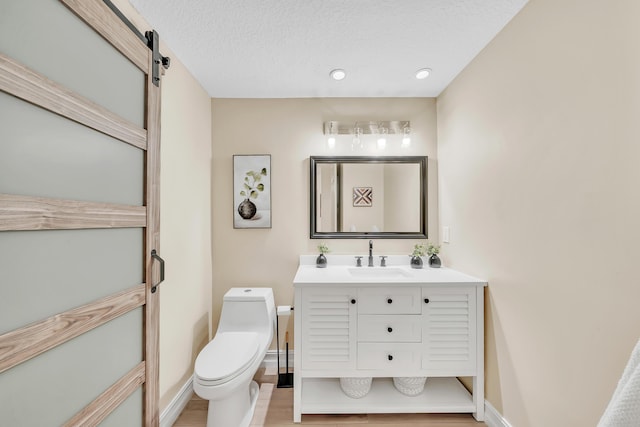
275	409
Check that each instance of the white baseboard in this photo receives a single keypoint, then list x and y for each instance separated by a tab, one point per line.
493	418
171	413
271	359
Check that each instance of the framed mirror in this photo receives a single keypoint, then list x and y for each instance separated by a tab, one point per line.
368	197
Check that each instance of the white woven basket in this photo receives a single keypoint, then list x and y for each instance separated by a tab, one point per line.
411	386
355	387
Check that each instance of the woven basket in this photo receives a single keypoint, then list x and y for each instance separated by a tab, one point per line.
355	387
411	386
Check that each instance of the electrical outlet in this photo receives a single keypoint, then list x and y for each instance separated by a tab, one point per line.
445	234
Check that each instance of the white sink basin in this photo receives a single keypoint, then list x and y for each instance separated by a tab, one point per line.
381	272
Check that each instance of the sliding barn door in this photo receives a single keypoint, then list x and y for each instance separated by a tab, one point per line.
79	167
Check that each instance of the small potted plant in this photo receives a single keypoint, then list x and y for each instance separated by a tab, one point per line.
434	259
419	250
321	261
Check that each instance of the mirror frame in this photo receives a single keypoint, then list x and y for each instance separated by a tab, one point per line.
314	161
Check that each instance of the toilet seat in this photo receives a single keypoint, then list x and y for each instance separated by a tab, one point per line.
225	357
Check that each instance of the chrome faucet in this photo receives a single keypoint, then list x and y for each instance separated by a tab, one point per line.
370	253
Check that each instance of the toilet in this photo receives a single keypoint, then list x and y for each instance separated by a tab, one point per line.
225	367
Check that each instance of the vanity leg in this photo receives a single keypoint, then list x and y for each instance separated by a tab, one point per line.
297	359
478	380
478	398
297	415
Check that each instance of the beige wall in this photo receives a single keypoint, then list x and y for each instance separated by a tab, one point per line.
538	158
185	226
291	131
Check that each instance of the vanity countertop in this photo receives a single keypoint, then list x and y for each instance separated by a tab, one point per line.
341	269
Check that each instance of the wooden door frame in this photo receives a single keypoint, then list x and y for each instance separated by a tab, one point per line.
152	241
19	212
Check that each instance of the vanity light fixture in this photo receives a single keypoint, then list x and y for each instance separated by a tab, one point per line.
406	137
361	128
423	73
338	74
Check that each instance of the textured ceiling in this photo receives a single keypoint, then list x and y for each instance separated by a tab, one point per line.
286	48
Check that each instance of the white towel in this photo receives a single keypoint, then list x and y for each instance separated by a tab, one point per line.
624	408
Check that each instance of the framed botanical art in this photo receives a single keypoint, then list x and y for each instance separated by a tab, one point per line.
252	191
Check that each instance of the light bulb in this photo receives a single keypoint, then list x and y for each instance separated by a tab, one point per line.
382	139
406	137
356	142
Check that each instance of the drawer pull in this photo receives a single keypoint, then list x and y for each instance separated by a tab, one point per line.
390	357
426	300
389	329
389	301
353	301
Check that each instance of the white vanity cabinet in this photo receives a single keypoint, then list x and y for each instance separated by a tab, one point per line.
427	325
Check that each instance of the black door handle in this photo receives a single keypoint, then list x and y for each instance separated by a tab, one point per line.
389	301
390	357
389	329
353	301
155	256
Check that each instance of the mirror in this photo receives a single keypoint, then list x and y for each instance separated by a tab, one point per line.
368	197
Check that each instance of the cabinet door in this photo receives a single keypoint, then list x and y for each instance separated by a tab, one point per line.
449	333
329	328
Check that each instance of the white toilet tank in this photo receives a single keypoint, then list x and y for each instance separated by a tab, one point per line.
248	310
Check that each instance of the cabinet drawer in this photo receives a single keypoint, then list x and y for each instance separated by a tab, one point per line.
389	328
395	300
389	356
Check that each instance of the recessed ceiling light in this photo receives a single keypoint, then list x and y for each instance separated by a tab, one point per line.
423	73
338	74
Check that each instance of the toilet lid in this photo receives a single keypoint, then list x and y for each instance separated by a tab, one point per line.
226	356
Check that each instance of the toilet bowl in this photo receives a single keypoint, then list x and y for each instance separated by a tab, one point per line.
225	367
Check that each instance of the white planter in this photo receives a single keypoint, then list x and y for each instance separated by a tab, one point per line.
356	387
410	386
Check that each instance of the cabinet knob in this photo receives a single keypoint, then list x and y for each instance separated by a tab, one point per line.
426	300
390	357
353	301
389	329
389	300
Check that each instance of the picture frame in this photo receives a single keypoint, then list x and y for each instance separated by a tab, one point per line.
252	191
362	197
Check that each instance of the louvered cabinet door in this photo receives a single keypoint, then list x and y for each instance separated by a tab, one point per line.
449	333
329	325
